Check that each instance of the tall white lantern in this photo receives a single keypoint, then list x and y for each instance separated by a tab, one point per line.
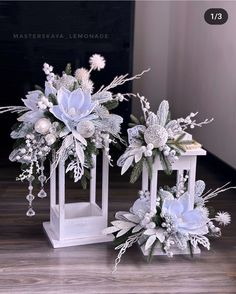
186	162
81	222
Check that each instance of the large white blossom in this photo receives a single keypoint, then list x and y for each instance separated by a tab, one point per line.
72	106
182	219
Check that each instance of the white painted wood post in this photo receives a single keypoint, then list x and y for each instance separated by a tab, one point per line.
105	183
153	192
52	190
61	181
191	180
93	180
145	178
180	174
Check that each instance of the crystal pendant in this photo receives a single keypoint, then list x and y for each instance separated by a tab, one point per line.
30	197
42	194
30	212
42	178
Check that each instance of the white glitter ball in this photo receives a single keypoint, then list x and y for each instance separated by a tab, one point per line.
50	139
86	128
42	126
157	135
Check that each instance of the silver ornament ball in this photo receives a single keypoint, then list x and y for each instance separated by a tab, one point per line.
86	128
42	126
50	139
157	135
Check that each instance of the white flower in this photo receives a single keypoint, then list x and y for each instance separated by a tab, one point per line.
183	220
223	218
140	207
82	74
97	62
72	106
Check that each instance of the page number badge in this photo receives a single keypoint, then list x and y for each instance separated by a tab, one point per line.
216	16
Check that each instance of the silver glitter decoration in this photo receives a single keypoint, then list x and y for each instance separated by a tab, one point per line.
157	135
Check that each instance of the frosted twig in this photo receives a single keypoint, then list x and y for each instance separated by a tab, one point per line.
188	121
13	109
120	80
211	194
123	247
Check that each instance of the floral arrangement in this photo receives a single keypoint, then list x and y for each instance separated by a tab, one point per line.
66	120
172	225
156	135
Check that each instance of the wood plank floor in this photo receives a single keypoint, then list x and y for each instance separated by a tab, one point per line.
28	264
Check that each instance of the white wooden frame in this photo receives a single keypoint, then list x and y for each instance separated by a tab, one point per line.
186	162
81	222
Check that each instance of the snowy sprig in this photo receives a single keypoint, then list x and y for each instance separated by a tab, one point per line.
211	194
120	80
189	121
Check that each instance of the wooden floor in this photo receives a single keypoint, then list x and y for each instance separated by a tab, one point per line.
28	264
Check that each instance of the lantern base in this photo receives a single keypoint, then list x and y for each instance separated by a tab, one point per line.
176	251
73	241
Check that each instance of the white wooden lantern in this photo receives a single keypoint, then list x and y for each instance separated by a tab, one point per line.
186	162
81	222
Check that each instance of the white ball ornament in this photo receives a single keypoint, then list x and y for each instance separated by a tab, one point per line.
42	126
150	146
50	139
156	135
86	128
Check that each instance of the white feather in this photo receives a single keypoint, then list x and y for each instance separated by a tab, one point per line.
150	241
123	224
132	217
122	232
80	152
127	164
137	229
79	137
138	156
110	230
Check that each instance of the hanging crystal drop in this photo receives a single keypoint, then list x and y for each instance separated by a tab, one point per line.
30	197
42	194
42	179
30	212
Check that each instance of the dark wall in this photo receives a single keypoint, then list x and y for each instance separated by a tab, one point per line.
32	33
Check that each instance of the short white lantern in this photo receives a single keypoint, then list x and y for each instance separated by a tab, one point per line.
82	222
186	162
